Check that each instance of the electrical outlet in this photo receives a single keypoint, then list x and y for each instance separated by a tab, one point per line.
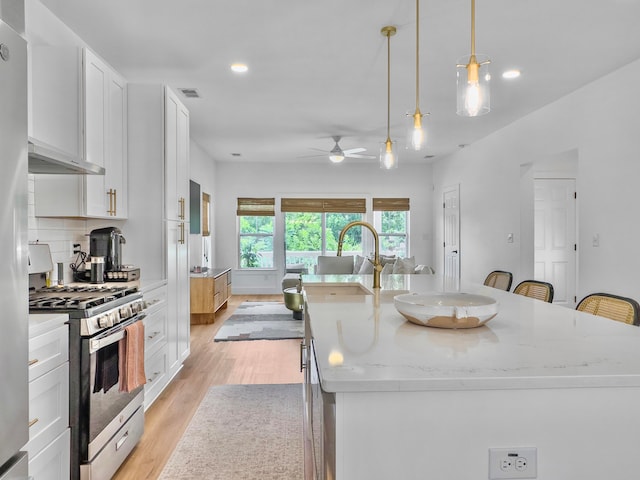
513	463
74	248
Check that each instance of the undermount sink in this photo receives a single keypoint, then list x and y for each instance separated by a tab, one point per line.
336	289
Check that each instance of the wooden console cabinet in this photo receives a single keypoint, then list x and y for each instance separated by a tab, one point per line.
209	293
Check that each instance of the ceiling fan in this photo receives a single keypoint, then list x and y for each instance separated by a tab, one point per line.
337	154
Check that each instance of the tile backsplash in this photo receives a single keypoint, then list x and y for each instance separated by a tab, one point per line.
59	233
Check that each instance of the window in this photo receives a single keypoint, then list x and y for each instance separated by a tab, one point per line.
255	232
313	226
391	217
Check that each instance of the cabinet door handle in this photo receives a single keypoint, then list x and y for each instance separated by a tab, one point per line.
115	202
112	208
33	361
302	362
181	241
181	204
33	422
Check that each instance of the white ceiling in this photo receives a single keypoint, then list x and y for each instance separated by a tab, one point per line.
318	68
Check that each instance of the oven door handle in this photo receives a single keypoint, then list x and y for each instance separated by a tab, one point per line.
113	337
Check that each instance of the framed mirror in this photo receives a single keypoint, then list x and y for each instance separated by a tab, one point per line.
194	207
206	202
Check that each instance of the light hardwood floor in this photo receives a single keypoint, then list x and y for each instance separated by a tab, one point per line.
210	363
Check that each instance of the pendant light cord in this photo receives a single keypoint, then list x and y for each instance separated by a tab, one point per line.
473	27
417	55
388	84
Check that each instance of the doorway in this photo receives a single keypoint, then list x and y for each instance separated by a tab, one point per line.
555	236
451	231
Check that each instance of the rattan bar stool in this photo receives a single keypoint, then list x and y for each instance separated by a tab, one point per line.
499	279
621	309
535	289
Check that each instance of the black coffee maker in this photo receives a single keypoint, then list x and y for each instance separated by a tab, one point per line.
107	242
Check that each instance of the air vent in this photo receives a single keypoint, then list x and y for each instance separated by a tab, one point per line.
190	92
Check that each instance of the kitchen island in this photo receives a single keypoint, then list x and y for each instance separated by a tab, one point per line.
386	398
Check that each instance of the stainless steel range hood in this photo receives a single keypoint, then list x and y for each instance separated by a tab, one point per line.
44	158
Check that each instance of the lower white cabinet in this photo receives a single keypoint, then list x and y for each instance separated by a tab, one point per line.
155	344
49	433
52	462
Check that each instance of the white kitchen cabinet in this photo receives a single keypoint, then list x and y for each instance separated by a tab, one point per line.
155	345
176	158
178	297
49	431
101	124
55	97
177	218
53	461
105	138
158	214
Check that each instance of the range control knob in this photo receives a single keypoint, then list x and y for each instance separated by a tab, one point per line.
125	312
103	321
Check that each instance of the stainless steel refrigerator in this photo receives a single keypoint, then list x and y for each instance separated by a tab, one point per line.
14	282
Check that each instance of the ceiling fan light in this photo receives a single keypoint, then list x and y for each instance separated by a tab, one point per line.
336	155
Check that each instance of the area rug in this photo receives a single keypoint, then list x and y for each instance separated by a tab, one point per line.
260	321
242	432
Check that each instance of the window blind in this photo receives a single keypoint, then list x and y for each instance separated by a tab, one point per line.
390	204
263	207
324	205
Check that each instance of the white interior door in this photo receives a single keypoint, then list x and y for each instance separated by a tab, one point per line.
451	231
555	236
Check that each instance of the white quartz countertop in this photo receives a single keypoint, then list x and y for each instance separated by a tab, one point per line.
362	343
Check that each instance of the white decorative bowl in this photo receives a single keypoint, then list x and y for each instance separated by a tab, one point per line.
446	310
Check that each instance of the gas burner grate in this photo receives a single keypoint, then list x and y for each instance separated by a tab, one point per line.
74	298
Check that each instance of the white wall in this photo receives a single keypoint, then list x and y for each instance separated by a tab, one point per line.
235	180
598	124
202	171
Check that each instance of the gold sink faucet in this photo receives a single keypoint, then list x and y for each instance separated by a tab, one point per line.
377	266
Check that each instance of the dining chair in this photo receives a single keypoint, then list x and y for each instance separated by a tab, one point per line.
611	306
499	279
535	289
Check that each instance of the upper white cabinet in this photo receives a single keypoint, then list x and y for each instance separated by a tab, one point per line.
176	158
77	99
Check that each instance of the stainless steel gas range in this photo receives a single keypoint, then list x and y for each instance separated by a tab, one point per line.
106	419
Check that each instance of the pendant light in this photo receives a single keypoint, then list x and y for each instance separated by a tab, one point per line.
388	159
473	78
415	133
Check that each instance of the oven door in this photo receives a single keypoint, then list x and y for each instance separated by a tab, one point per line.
104	408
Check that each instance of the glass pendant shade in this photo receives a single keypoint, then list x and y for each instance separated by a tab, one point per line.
474	98
416	134
388	155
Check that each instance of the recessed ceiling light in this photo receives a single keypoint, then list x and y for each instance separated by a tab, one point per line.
509	74
239	67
